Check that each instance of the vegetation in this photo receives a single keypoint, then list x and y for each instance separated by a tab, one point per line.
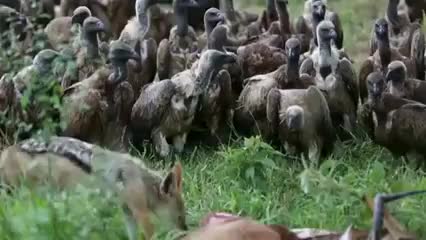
246	177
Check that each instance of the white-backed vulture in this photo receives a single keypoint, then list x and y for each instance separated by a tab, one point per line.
251	105
398	124
382	57
408	38
177	53
302	121
166	109
62	30
334	76
401	86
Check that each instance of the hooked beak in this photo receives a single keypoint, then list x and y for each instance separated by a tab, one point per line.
100	27
376	91
229	58
291	53
333	35
381	30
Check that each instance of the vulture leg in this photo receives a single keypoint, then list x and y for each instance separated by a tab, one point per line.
179	142
160	143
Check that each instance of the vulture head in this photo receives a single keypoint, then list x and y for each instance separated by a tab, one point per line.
93	25
326	32
293	50
396	76
42	62
80	14
210	63
295	118
319	9
376	85
381	29
120	53
181	12
212	18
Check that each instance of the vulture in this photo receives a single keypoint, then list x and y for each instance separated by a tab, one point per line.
334	76
402	86
382	57
301	119
408	38
97	8
162	21
251	109
398	124
99	106
416	8
216	104
166	109
62	30
177	53
315	12
196	13
88	55
238	21
42	66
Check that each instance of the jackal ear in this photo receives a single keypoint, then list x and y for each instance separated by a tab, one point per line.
172	183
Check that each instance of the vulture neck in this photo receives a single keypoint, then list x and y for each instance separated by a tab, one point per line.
120	71
204	76
284	19
384	51
325	57
293	68
227	6
316	19
392	14
143	17
215	40
181	20
91	43
271	11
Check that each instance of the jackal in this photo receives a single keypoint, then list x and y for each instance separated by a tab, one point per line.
65	162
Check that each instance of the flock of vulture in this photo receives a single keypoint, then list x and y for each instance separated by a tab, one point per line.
143	72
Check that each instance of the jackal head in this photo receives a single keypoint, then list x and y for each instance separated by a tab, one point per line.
171	193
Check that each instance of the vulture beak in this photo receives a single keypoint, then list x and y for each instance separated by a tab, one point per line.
100	27
377	92
229	58
333	34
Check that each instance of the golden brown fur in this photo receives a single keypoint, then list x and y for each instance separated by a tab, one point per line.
65	162
242	229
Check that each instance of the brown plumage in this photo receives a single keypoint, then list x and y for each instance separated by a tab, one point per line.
302	121
334	76
92	104
315	12
402	86
166	109
382	57
61	31
177	53
88	55
408	38
251	109
395	123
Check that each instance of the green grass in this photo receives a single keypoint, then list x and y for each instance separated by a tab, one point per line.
246	177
